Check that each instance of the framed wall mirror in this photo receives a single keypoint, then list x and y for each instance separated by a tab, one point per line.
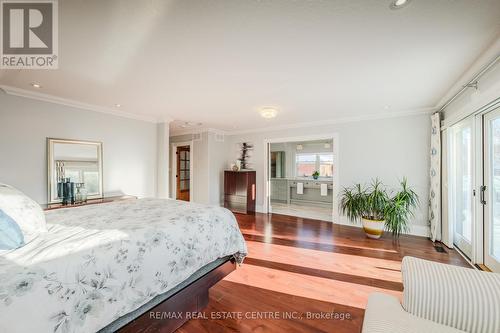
76	162
278	166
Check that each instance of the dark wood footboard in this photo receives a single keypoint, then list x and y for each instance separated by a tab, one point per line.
169	315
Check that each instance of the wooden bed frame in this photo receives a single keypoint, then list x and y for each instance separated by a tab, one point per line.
192	298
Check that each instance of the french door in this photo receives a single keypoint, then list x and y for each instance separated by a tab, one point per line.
183	173
490	190
474	187
461	192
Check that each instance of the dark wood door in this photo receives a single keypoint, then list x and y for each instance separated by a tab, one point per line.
183	172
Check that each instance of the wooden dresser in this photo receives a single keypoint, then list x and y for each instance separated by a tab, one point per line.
239	191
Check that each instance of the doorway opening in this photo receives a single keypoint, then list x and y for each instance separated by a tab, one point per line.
301	177
183	173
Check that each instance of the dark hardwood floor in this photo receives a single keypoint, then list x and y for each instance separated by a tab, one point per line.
300	271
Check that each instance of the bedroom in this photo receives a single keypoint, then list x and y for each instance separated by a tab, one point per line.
121	155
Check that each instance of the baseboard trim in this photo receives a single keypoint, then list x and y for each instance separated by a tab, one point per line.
420	230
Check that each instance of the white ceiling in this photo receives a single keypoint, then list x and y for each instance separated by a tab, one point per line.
218	62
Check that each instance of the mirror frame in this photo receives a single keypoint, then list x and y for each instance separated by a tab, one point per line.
50	167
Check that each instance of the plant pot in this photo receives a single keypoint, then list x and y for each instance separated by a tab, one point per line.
315	177
373	228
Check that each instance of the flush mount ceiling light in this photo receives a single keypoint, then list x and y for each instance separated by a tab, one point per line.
268	113
118	105
36	85
398	4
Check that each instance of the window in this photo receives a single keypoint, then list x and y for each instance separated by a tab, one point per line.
326	165
307	163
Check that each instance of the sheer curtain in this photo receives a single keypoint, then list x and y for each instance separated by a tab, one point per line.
435	178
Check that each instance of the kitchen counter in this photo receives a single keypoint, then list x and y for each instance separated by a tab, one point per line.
285	190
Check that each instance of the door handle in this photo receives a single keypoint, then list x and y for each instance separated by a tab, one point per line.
482	189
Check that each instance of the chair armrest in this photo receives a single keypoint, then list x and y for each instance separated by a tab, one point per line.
459	297
384	314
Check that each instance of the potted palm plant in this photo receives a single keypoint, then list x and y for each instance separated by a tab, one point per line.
379	210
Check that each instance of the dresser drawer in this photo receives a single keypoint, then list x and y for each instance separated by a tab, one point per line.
236	207
235	199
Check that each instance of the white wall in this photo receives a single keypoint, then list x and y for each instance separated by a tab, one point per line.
387	148
217	164
129	146
163	157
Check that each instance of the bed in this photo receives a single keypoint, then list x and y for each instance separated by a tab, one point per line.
100	267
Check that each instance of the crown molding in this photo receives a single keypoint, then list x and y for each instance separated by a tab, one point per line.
91	107
76	104
216	131
333	121
164	120
186	131
336	121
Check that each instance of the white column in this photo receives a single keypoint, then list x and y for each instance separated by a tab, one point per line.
163	164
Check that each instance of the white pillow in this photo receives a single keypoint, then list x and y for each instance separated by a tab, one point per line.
23	210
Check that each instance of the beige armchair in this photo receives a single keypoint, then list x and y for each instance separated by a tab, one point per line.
437	298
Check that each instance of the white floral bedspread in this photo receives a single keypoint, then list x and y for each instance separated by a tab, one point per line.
99	262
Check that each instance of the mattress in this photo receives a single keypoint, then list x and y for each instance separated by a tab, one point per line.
99	263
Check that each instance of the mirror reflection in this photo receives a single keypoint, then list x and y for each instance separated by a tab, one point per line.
75	170
278	164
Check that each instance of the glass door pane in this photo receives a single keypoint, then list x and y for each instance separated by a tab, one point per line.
461	196
491	193
183	173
